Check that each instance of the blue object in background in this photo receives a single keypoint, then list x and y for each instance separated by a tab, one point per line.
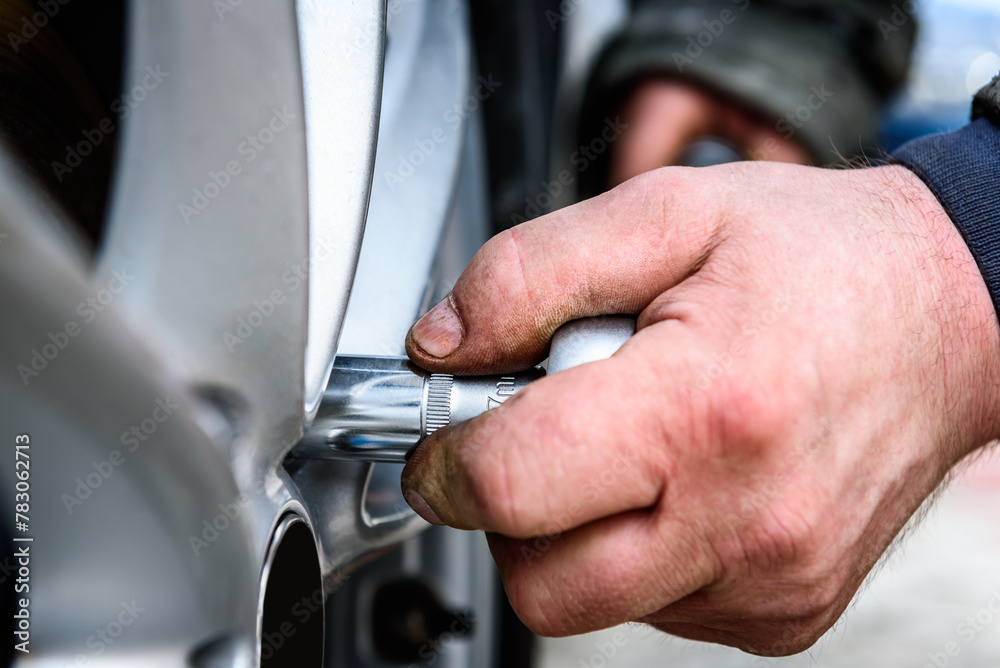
957	52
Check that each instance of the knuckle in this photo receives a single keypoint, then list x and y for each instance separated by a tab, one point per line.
500	294
752	425
783	538
488	279
782	543
743	416
503	253
661	182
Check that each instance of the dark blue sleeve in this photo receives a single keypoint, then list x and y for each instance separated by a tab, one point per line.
963	169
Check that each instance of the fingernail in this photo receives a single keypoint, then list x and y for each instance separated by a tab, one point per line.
439	332
420	506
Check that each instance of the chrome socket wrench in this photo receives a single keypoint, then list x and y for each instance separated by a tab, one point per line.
377	409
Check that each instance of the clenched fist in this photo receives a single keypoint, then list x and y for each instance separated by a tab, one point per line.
816	349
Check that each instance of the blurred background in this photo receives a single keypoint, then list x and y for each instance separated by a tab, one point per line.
956	53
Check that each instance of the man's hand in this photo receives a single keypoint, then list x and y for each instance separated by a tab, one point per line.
664	116
815	350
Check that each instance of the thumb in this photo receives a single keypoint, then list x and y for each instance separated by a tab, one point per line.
611	254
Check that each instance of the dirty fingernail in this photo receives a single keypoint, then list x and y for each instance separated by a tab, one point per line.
420	506
439	332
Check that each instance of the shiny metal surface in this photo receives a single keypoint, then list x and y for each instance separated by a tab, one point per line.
126	478
588	340
377	409
427	72
428	76
210	270
215	290
473	395
457	564
370	412
211	210
340	140
336	487
419	236
235	245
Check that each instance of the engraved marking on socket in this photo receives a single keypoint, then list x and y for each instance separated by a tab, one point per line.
505	390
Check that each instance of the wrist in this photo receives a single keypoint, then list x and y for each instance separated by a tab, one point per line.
961	317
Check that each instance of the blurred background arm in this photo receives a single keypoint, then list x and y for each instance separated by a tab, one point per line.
794	81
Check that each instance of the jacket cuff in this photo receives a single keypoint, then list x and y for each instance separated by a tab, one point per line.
962	168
